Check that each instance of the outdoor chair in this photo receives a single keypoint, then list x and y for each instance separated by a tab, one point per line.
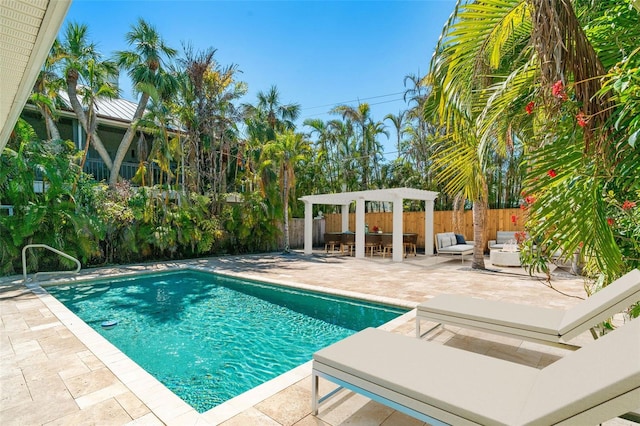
371	243
348	242
332	240
541	325
386	243
439	384
410	244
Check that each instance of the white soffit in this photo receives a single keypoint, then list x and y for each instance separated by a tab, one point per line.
28	29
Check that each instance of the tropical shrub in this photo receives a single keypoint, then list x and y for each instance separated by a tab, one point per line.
39	180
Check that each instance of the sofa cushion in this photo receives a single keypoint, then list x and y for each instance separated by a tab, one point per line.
504	236
445	239
460	239
458	248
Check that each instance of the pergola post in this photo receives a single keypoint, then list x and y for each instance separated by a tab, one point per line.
308	227
345	217
397	229
360	227
428	227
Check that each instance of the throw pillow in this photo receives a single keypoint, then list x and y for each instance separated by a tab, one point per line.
460	239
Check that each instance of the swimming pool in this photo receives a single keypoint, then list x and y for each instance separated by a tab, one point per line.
210	337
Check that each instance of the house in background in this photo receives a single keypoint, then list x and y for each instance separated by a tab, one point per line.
113	117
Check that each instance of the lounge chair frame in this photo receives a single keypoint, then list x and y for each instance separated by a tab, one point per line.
540	325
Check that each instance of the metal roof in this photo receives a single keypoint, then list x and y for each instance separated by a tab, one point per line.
27	31
110	109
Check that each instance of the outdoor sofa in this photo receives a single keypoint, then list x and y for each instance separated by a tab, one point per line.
541	325
502	237
439	384
448	243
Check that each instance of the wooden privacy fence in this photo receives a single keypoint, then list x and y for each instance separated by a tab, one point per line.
443	221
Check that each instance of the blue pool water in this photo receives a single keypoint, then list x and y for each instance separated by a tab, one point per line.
209	337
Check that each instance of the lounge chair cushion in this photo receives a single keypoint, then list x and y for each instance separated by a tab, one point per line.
478	391
603	369
489	313
554	326
596	383
602	302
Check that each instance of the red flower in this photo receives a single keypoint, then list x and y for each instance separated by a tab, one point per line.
529	199
610	221
582	119
558	90
522	207
529	107
552	173
628	205
520	237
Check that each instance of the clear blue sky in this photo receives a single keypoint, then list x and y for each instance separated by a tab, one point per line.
318	53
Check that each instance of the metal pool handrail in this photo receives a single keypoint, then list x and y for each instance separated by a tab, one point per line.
63	254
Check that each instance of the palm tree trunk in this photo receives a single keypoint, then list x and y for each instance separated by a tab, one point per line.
82	118
125	143
52	130
285	184
479	219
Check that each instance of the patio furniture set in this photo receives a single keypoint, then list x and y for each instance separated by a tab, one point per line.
440	385
503	251
374	243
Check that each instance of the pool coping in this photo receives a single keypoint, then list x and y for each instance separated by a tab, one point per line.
166	405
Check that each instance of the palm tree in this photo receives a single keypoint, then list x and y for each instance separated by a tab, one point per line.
46	91
145	68
76	52
284	154
398	122
97	86
279	117
570	162
361	116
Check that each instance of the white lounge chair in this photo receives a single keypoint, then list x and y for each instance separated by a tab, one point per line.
541	325
444	385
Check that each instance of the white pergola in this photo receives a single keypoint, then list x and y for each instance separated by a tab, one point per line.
395	196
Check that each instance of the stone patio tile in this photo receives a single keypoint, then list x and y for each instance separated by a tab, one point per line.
90	360
36	412
93	381
57	347
509	353
132	404
24	359
101	395
288	406
343	405
14	322
107	412
146	420
371	413
311	420
398	418
252	416
13	390
48	387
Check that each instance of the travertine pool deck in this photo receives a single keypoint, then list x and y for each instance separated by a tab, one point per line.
56	370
